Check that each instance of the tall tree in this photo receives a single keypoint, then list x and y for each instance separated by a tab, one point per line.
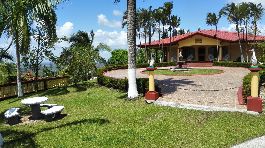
158	14
39	52
212	19
256	12
80	59
234	15
17	21
131	37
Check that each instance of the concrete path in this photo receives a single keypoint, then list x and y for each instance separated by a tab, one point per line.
218	90
255	143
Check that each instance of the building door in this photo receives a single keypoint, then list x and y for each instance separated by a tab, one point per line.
201	54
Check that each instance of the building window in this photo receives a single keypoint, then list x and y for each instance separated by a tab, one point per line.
213	54
198	41
225	54
188	53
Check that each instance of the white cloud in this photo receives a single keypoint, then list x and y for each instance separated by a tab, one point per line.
114	39
65	30
231	27
117	13
253	1
103	21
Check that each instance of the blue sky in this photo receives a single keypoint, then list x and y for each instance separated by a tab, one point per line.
104	17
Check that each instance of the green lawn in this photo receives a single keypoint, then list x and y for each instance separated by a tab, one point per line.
191	72
100	117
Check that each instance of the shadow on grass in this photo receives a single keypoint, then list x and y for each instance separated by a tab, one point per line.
84	86
26	139
55	92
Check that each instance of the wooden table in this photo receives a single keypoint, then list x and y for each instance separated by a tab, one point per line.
34	103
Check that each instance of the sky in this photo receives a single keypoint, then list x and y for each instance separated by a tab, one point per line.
104	18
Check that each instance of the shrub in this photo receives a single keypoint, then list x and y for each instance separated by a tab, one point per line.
231	64
4	74
122	84
247	83
118	57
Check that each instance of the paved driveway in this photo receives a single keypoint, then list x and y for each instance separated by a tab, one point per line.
210	90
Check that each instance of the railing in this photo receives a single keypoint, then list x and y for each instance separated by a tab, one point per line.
10	90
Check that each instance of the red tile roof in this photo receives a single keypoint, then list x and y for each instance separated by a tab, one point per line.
221	35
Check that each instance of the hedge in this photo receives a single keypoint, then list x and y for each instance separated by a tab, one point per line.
231	64
122	84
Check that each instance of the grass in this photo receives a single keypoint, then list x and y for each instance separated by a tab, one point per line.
101	117
191	72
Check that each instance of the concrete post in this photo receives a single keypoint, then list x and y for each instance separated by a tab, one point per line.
151	95
255	84
254	103
151	81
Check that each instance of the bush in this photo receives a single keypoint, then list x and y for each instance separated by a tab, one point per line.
122	84
118	57
231	64
4	74
247	83
247	86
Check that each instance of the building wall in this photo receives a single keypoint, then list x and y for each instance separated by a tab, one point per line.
233	48
194	41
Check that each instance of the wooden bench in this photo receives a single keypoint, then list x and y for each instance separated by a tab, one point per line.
52	112
48	105
12	116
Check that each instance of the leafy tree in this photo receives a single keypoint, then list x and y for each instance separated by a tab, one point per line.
141	56
17	17
256	12
80	59
41	51
118	57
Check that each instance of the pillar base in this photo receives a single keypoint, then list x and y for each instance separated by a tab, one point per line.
151	96
254	104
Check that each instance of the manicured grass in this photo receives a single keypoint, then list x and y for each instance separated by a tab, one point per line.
100	117
191	72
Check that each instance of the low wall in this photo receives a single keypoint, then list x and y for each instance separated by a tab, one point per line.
10	90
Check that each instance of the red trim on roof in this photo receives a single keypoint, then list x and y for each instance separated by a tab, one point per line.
220	35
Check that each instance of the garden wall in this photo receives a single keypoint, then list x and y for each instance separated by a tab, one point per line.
10	90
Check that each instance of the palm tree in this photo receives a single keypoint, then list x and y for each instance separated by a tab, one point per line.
18	18
158	14
234	15
213	20
256	12
168	6
131	37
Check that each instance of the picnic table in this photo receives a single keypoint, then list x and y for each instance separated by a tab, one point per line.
34	103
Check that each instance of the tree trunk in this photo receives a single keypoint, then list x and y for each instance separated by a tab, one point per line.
246	27
19	83
131	37
217	45
240	46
